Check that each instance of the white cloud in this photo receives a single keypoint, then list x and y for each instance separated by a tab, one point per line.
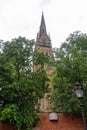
44	4
22	17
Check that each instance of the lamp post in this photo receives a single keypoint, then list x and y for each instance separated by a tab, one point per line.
79	93
0	89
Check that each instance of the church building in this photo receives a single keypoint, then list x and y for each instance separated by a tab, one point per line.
43	44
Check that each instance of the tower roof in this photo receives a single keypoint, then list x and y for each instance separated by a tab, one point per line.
42	37
42	25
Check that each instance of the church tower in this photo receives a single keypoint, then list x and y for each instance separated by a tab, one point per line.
43	41
43	44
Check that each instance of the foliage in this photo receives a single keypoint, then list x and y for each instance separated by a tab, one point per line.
38	56
21	87
71	67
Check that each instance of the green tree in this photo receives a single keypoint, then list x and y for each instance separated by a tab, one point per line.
40	59
71	67
21	87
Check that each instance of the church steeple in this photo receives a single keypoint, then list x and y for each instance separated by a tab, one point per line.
42	37
43	25
43	44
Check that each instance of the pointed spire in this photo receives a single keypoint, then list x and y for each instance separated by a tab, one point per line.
42	26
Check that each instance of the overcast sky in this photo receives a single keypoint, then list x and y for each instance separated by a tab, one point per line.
23	17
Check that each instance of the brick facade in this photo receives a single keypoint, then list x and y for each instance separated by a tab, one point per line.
6	126
65	122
